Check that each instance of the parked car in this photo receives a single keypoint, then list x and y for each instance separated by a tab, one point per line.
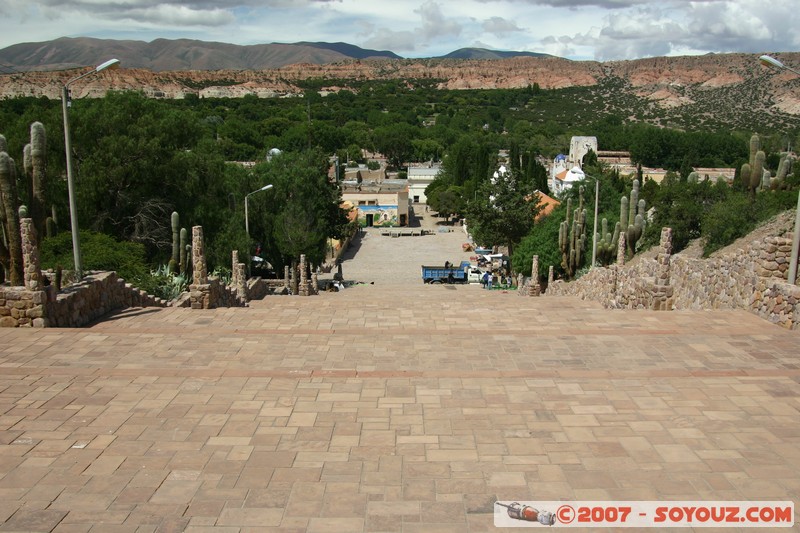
474	275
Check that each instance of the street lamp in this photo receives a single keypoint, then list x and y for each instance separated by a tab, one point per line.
73	213
246	219
771	62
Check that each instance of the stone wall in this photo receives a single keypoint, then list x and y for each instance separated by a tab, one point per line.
96	295
752	278
22	307
214	294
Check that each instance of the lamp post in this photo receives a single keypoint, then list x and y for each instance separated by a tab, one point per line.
594	232
771	62
246	219
73	213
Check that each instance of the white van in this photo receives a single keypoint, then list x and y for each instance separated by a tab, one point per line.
474	274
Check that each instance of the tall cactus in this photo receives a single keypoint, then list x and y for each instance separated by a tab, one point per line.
752	173
35	163
184	250
755	146
756	173
11	247
632	218
572	238
174	262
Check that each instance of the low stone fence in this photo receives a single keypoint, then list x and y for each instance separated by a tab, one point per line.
753	278
96	295
22	307
37	304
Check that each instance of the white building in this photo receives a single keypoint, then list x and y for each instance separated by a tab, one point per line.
418	179
579	147
566	170
566	178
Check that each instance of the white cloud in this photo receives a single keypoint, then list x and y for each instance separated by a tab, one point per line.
499	26
171	15
580	29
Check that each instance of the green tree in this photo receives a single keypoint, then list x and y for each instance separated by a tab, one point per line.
307	205
541	241
394	141
447	202
503	211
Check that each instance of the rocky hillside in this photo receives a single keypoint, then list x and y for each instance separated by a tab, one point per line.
671	91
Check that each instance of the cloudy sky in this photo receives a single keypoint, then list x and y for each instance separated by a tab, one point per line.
577	29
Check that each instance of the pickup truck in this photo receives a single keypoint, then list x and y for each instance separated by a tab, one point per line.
446	274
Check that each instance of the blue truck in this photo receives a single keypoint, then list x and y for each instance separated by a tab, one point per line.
446	274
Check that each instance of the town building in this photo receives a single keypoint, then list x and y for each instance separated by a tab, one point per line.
378	204
419	177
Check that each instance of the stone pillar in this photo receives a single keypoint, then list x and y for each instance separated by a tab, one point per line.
286	277
234	270
662	291
621	249
32	271
200	291
520	284
550	276
314	283
199	269
303	288
535	289
240	282
663	258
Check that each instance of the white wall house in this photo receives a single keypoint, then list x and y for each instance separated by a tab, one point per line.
418	179
566	179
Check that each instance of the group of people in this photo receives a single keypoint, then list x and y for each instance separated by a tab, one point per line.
488	280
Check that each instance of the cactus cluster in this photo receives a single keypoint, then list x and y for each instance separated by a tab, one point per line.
785	168
632	217
572	238
35	170
607	243
181	249
10	240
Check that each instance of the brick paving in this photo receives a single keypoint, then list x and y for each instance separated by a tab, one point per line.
388	408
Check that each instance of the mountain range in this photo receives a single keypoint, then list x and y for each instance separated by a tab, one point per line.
186	54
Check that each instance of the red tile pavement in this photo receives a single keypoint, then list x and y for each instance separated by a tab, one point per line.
388	409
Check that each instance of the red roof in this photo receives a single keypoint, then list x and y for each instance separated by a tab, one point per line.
546	205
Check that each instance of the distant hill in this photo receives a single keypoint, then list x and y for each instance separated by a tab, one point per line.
178	54
483	53
351	50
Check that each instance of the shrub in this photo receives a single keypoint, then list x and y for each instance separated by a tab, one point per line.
541	241
166	284
98	252
726	221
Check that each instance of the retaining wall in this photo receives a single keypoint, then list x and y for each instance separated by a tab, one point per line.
751	278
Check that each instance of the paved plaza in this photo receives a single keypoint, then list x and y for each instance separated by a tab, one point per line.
390	406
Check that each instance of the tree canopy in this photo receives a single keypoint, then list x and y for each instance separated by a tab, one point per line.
503	211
